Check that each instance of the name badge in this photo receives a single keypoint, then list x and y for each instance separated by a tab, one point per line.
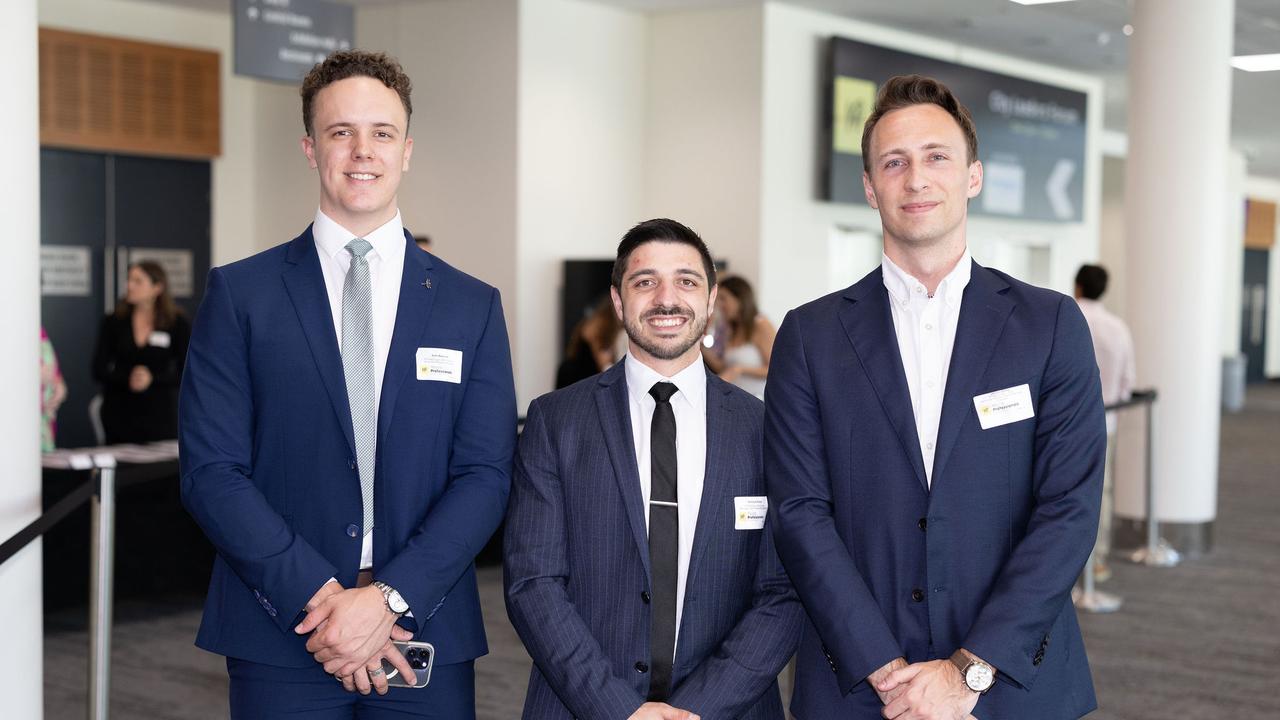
159	338
749	512
1004	406
440	364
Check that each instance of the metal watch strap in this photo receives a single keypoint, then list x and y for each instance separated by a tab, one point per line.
386	595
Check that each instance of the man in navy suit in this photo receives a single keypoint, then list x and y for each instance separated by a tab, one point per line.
934	443
347	426
640	572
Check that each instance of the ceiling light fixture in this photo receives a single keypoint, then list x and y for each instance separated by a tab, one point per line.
1257	63
1039	2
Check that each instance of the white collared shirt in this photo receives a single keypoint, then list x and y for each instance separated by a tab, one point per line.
1113	347
386	266
689	405
926	330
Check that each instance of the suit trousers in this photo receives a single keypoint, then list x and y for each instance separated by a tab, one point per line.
266	692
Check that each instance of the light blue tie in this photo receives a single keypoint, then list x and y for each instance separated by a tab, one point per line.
357	367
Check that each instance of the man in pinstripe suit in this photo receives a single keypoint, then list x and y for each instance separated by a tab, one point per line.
639	571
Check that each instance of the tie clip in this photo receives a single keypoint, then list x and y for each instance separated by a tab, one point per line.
664	503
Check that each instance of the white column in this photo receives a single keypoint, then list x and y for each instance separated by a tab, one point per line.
1179	112
22	661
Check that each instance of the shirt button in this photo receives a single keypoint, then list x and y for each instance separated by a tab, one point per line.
928	446
644	597
352	530
928	326
929	383
917	595
642	667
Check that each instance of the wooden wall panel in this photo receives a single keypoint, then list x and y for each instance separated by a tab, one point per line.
1260	225
111	95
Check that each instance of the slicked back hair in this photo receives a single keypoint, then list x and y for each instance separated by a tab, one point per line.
903	91
355	63
661	230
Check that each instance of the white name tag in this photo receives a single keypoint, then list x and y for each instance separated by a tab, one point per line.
440	364
159	339
749	512
1004	406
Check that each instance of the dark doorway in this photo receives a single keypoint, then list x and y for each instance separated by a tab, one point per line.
1253	320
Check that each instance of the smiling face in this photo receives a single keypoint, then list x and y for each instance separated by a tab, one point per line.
360	149
921	177
664	302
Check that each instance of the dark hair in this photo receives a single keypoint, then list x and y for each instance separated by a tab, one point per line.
355	63
660	230
903	91
745	322
1092	281
605	322
166	309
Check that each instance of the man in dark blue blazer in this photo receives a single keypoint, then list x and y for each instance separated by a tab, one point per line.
639	569
934	442
347	426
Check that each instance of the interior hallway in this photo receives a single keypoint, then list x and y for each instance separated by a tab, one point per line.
1199	640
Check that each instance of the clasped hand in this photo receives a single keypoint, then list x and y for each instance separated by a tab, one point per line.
930	690
351	632
661	711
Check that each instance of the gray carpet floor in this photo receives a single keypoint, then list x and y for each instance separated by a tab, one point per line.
1199	640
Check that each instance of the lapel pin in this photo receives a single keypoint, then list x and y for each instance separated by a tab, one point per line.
427	283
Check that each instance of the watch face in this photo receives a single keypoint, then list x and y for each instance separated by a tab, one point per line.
396	602
979	677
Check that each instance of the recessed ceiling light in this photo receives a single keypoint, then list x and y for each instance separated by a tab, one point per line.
1257	63
1127	30
1039	2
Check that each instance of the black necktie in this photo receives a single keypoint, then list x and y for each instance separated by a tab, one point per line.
664	541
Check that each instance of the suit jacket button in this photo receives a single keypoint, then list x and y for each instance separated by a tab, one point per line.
351	464
917	595
353	530
642	667
1037	659
645	597
923	523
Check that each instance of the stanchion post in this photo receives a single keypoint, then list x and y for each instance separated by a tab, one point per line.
1157	552
102	572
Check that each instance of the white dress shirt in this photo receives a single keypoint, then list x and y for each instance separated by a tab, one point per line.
386	265
1113	346
926	329
689	405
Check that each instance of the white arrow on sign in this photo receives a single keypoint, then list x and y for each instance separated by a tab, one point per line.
1056	188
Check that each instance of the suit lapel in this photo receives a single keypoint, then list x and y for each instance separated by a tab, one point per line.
983	313
412	314
305	285
614	410
719	431
868	322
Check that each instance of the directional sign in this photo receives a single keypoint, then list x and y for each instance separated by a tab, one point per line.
283	39
1031	136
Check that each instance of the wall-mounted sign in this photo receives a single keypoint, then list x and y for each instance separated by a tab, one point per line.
282	39
179	267
65	271
1031	136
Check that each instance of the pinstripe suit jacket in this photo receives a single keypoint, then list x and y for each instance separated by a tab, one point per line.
577	565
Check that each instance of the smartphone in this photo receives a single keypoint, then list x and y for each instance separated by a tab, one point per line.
419	655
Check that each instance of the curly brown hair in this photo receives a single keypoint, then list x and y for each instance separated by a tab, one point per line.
355	63
906	90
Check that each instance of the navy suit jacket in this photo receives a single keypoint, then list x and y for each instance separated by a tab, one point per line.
985	560
268	454
577	564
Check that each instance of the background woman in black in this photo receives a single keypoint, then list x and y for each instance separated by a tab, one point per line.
141	350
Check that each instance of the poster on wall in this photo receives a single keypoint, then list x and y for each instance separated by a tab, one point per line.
1031	136
282	39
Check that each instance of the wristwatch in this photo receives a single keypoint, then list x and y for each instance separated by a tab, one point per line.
978	676
395	603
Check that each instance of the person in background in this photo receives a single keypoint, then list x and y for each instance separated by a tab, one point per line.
591	346
141	349
1113	347
747	343
52	392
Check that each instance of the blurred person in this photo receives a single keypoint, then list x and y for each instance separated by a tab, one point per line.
139	359
52	392
591	346
746	343
348	422
934	442
639	567
1113	348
